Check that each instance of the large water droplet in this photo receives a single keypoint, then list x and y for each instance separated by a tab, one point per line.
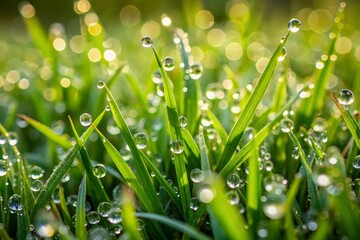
294	25
233	180
13	138
2	140
183	121
168	63
286	125
176	147
100	84
274	206
194	204
15	204
233	197
4	167
196	71
104	208
356	162
99	170
345	97
93	217
140	225
141	140
45	224
197	175
156	77
282	55
114	215
146	42
85	119
36	185
295	153
36	172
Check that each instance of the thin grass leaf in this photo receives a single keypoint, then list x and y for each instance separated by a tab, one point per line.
62	140
205	164
351	123
218	126
227	215
127	210
64	208
318	152
139	93
98	194
3	234
80	221
244	153
323	230
175	224
250	108
62	168
192	151
175	134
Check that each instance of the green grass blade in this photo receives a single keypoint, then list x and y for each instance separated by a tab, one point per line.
3	234
218	126
250	108
227	215
142	172
192	151
99	195
205	164
64	208
139	93
48	132
62	168
175	224
80	221
175	134
129	221
349	120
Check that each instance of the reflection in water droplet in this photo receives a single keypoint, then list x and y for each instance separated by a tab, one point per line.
104	208
183	121
294	25
345	97
146	42
286	125
93	217
15	204
196	175
233	180
196	71
176	147
99	170
4	167
356	162
85	119
141	140
100	84
168	63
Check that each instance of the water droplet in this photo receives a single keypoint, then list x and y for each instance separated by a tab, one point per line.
4	167
248	135
93	217
206	195
140	225
194	204
275	183
196	71
183	121
99	170
294	25
114	215
286	125
233	197
100	84
45	224
233	180
65	178
274	206
204	103
268	165
36	172
36	185
2	140
146	42
13	138
295	153
141	140
325	174
97	233
168	63
345	97
196	175
56	196
156	77
104	208
356	162
282	55
176	147
15	204
85	119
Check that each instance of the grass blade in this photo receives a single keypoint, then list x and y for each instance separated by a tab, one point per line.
175	224
64	208
80	222
217	125
249	110
129	221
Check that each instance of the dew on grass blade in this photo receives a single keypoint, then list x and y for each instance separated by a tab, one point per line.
13	138
114	216
206	195
2	139
183	121
176	147
140	224
196	175
156	77
274	205
141	140
99	170
295	153
196	71
98	233
146	42
356	162
100	84
268	165
282	55
345	97
168	63
233	180
294	25
36	185
15	204
36	172
4	167
93	217
104	208
194	204
233	197
85	119
45	224
286	125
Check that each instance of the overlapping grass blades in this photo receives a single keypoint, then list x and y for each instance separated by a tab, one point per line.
80	221
249	109
129	220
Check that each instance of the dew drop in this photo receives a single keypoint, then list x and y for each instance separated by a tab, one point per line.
294	25
282	55
45	224
98	233
268	165
104	208
206	195
36	172
274	206
146	42
14	203
194	204
356	162
345	97
196	71
99	170
13	138
140	225
286	125
233	197
168	63
4	167
176	147
114	215
295	153
141	140
233	180
196	175
183	121
2	139
100	84
36	185
156	77
93	217
85	119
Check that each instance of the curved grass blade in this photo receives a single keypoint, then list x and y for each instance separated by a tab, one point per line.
249	109
244	153
191	149
80	222
175	224
129	221
62	168
99	194
175	134
218	126
349	120
3	234
64	208
62	140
